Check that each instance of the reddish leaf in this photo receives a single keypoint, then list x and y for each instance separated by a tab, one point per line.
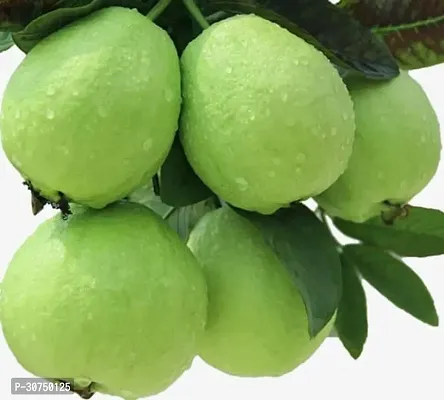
412	29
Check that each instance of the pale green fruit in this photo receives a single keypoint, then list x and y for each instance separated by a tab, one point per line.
110	296
396	151
257	323
266	118
92	110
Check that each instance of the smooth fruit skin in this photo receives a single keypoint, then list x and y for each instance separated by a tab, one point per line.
396	151
111	296
257	325
266	118
92	110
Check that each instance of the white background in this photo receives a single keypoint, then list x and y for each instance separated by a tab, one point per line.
403	358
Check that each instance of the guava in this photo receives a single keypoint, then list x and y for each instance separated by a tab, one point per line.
396	150
257	324
109	296
266	118
92	110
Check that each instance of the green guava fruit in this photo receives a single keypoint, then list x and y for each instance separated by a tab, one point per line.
266	118
257	323
396	150
92	110
109	296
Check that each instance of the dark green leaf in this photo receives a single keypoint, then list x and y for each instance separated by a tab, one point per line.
179	185
412	29
351	320
395	280
184	219
5	41
68	11
16	14
420	233
345	41
306	248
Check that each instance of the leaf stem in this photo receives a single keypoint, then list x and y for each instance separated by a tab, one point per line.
196	13
158	9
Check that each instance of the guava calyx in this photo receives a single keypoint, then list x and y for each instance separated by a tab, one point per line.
39	201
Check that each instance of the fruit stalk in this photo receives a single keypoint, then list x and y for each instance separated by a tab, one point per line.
196	13
158	9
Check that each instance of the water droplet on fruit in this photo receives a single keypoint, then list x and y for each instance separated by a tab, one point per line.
252	117
228	70
284	97
17	113
243	184
324	136
101	111
276	161
50	114
271	174
334	131
423	138
65	151
169	95
297	170
301	157
51	91
75	93
147	144
345	116
296	62
304	62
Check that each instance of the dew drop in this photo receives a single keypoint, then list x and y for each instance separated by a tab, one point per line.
252	117
101	111
50	114
228	70
17	113
304	62
243	184
51	91
147	144
169	95
301	157
75	93
345	116
296	62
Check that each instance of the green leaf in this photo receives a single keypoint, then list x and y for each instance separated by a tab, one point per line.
420	233
412	29
146	196
304	245
68	11
351	320
181	219
16	14
184	219
179	185
348	44
395	280
5	41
